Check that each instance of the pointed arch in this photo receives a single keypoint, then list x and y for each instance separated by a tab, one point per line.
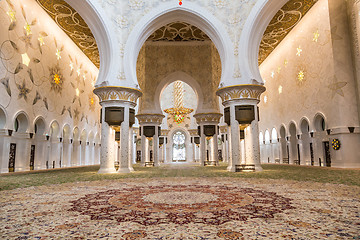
171	12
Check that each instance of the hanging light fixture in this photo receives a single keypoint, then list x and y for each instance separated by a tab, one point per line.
178	111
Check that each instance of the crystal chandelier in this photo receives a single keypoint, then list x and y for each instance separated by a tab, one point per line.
178	111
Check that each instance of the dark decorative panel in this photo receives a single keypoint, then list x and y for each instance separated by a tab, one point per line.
161	140
100	115
114	116
242	134
245	114
12	156
199	130
131	116
209	130
117	136
32	157
227	115
149	131
197	140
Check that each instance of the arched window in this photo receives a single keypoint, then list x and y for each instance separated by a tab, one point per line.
179	153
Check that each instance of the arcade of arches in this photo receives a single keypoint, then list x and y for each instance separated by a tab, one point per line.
122	82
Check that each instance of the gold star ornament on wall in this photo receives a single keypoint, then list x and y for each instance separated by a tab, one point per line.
316	36
298	51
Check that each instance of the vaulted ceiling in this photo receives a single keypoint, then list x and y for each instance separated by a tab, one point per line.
75	27
281	24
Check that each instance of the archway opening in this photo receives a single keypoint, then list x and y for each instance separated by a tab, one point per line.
183	51
179	147
54	131
21	123
294	146
66	133
39	127
320	124
307	147
178	102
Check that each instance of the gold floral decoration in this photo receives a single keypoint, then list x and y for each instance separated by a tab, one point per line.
56	79
74	26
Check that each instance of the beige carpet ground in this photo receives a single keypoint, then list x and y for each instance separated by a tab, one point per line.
182	208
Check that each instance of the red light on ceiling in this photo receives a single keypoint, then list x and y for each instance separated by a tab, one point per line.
180	2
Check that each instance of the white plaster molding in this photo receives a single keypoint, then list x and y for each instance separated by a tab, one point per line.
171	12
251	35
102	29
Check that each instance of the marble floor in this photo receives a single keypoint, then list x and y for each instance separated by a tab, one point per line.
182	208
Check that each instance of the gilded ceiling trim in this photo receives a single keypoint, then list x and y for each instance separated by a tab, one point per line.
178	32
74	26
282	23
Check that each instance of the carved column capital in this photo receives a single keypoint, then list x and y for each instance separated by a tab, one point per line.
117	93
244	91
148	118
193	132
211	118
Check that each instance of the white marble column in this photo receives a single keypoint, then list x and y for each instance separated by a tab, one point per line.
143	147
4	151
76	153
66	160
40	152
235	139
22	158
194	149
164	150
131	148
243	152
156	147
214	148
124	165
254	133
106	154
203	154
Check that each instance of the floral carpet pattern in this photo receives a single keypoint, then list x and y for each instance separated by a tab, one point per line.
211	205
182	209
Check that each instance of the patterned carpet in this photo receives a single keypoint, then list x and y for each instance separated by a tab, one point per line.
180	209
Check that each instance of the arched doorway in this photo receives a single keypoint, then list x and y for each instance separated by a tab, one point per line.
179	147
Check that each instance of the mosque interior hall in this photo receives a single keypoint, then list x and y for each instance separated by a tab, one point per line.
180	119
